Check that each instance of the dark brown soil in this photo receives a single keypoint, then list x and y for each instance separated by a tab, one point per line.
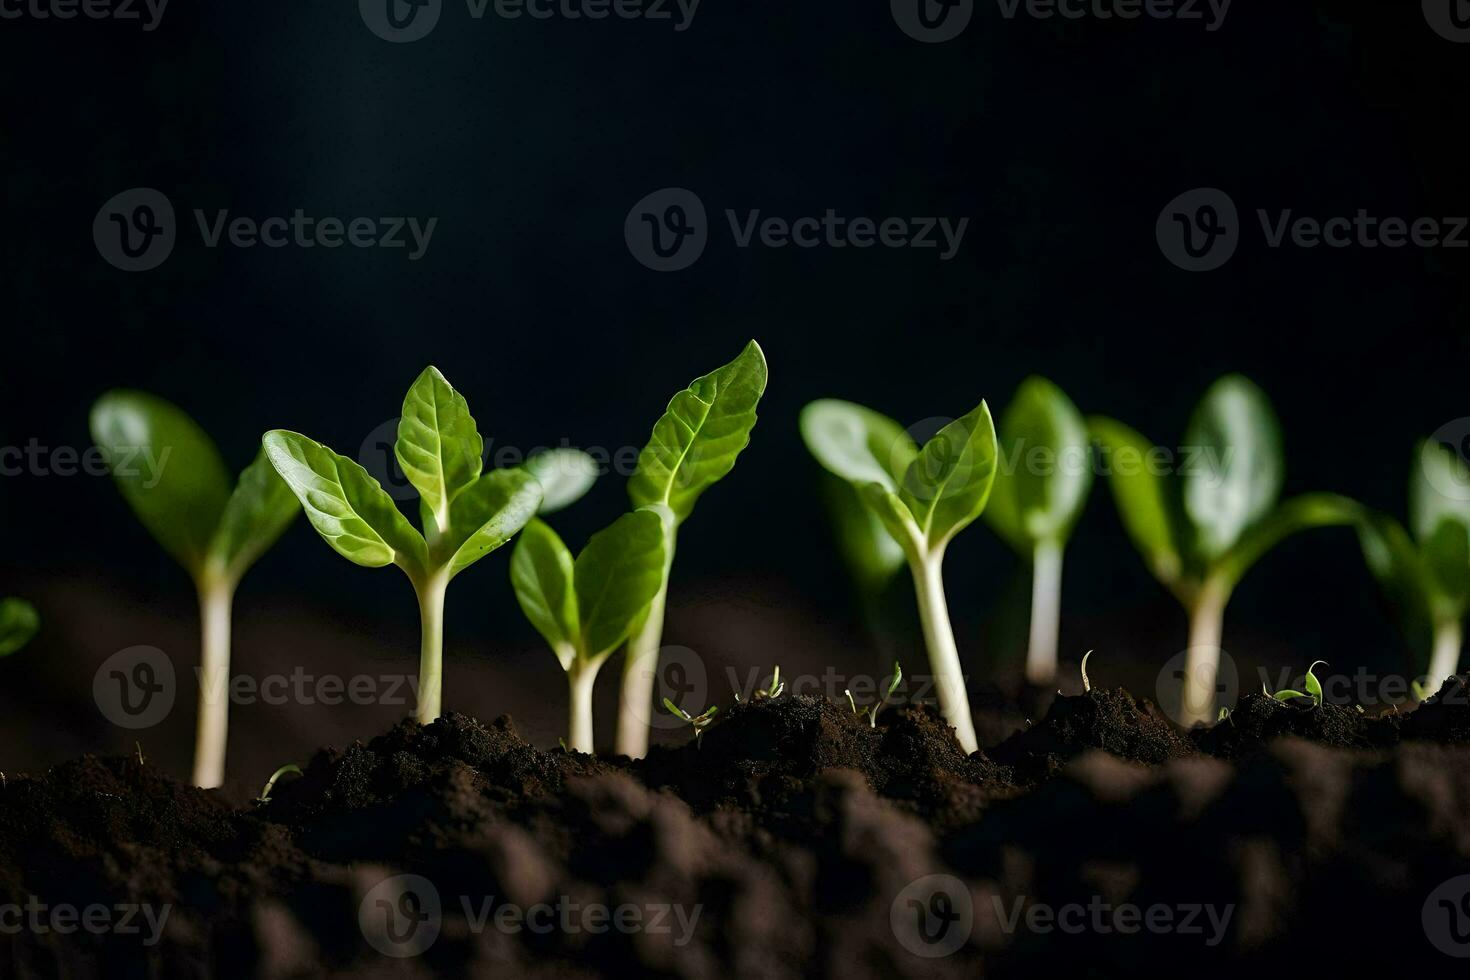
790	840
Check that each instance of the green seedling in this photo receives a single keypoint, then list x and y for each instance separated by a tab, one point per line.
1201	525
1426	574
923	498
586	607
19	623
1223	716
1039	495
465	513
871	712
215	527
699	722
693	446
1086	681
1313	687
270	784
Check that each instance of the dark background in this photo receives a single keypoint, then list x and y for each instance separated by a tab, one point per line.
529	141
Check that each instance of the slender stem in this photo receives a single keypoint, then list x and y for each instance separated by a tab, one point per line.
431	648
580	680
1046	613
1202	660
1448	638
944	656
640	670
216	596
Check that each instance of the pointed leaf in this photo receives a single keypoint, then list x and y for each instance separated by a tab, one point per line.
894	515
167	468
541	573
1232	464
1439	489
1310	510
19	622
348	508
438	445
1402	573
616	576
565	476
947	485
257	513
857	444
698	439
488	514
1146	502
1046	469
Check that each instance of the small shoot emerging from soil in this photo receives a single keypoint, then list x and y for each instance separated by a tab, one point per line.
466	514
1037	500
923	498
19	623
1086	681
270	784
1425	571
698	722
1202	524
586	607
1313	687
871	711
172	475
693	446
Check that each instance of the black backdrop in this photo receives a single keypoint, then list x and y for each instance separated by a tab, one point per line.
529	141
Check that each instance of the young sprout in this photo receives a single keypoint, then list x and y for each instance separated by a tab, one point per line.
1224	715
1313	687
212	525
773	689
19	622
1202	526
1086	682
270	784
871	712
1426	576
466	514
699	722
693	445
586	607
923	498
1038	497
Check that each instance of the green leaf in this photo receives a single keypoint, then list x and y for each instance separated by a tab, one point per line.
1313	686
487	515
857	444
438	445
947	485
565	476
699	437
1310	510
1146	503
1447	556
167	468
1232	464
1047	469
868	550
258	512
19	622
616	576
894	515
541	572
347	507
1402	573
1439	489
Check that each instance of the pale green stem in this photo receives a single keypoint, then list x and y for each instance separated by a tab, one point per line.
1443	662
944	656
640	670
431	649
580	680
1046	613
1202	660
216	595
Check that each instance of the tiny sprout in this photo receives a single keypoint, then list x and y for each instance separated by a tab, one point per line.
871	713
270	784
699	721
1223	716
1086	683
141	761
1310	682
775	688
1421	691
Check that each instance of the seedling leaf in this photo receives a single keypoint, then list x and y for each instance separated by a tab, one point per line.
488	514
270	784
1149	509
946	487
616	576
438	445
1034	503
1086	683
19	623
1236	476
1314	686
541	573
857	444
257	513
565	476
